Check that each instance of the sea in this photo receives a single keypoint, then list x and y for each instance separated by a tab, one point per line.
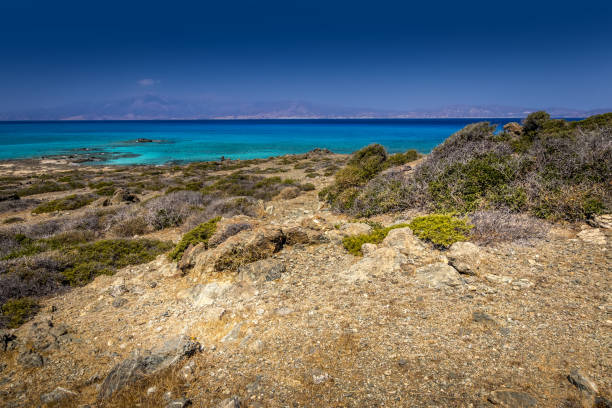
200	140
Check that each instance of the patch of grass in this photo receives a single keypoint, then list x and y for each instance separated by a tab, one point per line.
42	187
71	202
353	243
15	312
201	233
398	159
105	256
442	230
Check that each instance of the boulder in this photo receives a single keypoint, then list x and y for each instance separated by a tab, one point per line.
142	364
8	340
592	236
355	228
368	249
465	257
288	193
57	395
30	359
382	261
438	275
241	249
581	381
601	221
233	402
512	399
404	241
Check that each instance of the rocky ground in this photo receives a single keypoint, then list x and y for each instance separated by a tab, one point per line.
282	316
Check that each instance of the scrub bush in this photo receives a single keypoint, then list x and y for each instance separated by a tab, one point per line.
442	230
353	243
200	234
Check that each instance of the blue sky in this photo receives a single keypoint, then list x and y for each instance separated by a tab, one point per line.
379	54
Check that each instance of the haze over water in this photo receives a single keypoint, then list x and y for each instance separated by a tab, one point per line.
184	141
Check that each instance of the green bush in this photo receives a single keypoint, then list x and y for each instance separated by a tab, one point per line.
307	187
71	202
201	233
105	191
15	312
105	256
353	243
442	230
398	159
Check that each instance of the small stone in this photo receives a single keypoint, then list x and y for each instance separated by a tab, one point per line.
481	317
118	302
118	290
30	359
512	399
283	311
179	403
151	390
580	380
152	284
233	402
465	257
319	377
58	394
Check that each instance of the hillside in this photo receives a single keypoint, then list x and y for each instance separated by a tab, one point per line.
317	279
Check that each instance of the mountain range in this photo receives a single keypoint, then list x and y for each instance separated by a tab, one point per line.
156	107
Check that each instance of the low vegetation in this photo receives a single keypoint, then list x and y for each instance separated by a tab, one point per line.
16	311
442	230
354	243
200	234
548	168
363	166
71	202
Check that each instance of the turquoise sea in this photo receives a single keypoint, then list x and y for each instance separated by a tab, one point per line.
185	141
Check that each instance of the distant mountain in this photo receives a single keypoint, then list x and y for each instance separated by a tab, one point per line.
151	107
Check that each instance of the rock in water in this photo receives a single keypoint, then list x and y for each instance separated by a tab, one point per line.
465	257
143	364
438	275
512	399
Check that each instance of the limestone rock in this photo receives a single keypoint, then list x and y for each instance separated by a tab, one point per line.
512	399
30	359
592	236
57	395
581	381
404	241
265	269
601	221
8	340
179	403
243	248
355	228
368	249
204	294
142	364
380	262
465	257
233	402
438	275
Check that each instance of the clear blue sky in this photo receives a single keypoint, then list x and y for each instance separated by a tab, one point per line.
380	54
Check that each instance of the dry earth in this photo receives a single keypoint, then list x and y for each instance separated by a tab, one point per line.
313	326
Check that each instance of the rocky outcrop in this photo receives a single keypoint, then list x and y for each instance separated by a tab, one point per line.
601	221
142	364
263	270
512	399
438	275
355	228
381	261
59	394
465	257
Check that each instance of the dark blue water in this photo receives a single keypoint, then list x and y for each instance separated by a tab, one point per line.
209	140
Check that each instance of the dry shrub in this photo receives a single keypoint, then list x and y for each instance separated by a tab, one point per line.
172	210
504	226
